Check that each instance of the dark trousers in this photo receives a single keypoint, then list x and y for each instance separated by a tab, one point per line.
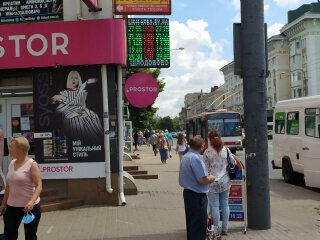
12	219
154	148
195	205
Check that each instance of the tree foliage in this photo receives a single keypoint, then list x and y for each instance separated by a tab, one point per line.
144	118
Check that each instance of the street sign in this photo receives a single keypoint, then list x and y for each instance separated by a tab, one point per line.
142	7
148	42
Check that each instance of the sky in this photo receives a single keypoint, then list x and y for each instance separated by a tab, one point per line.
204	28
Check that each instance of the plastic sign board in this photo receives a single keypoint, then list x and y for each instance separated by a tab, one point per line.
236	198
92	4
141	90
30	11
142	7
148	42
64	43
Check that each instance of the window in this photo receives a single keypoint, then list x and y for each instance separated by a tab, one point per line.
293	123
312	122
280	119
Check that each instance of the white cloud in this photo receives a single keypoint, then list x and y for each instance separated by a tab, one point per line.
266	7
274	29
236	4
192	69
287	3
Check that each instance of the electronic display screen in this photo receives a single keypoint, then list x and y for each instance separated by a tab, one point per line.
148	42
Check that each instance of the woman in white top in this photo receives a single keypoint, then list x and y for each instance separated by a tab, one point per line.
181	145
215	159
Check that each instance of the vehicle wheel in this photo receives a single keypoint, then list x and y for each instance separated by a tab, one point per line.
233	151
287	172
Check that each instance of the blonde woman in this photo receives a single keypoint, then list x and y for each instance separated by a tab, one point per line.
78	121
22	192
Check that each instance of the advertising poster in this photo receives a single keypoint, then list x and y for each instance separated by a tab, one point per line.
68	117
30	11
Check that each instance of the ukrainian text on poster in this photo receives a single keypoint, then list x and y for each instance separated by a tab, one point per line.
30	11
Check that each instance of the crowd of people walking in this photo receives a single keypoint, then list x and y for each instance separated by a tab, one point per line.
202	174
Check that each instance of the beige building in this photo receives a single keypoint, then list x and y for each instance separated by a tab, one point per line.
278	81
302	32
233	99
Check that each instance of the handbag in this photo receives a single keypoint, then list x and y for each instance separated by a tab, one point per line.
231	167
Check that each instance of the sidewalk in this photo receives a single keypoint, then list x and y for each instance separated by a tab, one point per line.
157	212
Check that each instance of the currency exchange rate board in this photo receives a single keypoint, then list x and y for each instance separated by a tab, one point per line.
148	42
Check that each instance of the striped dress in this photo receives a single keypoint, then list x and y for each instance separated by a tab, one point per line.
79	122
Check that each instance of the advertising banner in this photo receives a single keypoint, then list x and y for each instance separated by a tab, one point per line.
68	120
30	11
142	7
89	42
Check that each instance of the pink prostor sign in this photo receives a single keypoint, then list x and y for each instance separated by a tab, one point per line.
47	44
141	90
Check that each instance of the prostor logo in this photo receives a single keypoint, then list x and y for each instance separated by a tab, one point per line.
142	89
57	41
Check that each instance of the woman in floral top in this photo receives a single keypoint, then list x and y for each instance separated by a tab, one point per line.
215	159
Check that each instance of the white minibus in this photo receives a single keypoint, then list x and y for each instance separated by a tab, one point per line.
296	142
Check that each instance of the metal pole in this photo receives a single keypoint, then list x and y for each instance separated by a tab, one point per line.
253	71
122	200
106	128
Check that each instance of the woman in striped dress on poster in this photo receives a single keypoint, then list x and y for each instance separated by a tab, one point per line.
78	121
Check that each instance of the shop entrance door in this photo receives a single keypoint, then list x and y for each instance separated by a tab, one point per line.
16	119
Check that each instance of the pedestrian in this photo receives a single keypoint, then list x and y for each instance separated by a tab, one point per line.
153	142
194	178
135	140
181	145
22	192
170	141
162	145
215	159
140	138
147	136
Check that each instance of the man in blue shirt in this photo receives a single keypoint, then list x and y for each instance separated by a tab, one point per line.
194	178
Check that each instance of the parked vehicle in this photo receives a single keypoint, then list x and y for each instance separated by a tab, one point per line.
296	140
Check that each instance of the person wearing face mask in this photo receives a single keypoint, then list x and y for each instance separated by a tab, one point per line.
78	121
22	192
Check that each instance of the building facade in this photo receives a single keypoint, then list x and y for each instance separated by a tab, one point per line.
58	75
303	35
234	89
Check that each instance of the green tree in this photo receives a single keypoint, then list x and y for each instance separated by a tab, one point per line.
165	123
176	123
144	118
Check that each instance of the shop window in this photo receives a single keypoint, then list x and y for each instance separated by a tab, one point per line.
293	123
